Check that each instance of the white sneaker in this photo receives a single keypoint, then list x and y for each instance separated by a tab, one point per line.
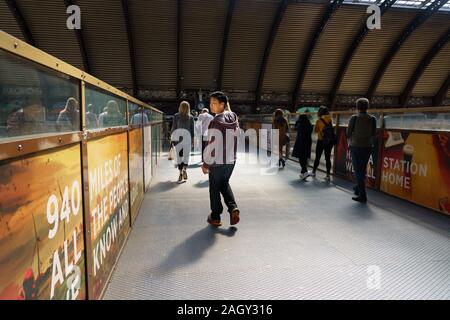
312	174
305	175
327	178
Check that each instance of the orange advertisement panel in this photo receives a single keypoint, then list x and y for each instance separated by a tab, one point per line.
416	167
41	227
109	206
136	172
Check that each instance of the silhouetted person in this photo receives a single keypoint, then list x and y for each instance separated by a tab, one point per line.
69	117
361	131
303	142
322	145
280	123
139	118
91	118
30	119
112	116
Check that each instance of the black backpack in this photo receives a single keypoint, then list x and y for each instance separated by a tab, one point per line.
329	136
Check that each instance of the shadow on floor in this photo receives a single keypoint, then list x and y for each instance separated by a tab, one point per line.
202	184
192	249
404	209
310	182
358	211
164	186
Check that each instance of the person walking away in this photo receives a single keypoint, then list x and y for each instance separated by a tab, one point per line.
219	164
324	144
183	120
280	123
303	142
361	130
204	120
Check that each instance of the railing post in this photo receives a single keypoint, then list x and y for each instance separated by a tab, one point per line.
380	136
86	203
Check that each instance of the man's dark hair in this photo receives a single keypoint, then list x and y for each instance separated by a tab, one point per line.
219	95
362	104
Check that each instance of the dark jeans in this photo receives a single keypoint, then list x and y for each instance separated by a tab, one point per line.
303	164
219	178
181	158
182	165
360	158
320	148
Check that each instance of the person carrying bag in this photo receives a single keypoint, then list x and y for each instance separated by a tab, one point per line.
326	139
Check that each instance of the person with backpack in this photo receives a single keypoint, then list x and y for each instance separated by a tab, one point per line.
326	139
361	130
303	142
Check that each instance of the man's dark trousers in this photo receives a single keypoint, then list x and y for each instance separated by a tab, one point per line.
360	159
219	177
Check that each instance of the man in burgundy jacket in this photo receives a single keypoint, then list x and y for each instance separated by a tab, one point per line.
220	159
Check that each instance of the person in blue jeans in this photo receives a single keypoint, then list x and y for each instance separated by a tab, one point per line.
361	131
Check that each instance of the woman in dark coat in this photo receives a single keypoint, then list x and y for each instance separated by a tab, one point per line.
280	123
302	147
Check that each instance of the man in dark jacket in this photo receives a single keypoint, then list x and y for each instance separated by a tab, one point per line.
220	159
361	131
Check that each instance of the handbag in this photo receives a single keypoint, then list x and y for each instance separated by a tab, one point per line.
170	157
287	138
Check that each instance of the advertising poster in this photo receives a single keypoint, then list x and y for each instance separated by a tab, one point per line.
147	156
136	172
343	162
41	227
416	167
109	206
265	135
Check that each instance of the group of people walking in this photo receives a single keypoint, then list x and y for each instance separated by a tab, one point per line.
302	147
360	133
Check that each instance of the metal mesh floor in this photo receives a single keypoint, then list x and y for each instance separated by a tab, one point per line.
296	240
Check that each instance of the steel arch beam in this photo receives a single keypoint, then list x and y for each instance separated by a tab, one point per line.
178	88
126	13
416	23
273	32
81	42
15	10
351	52
332	7
431	54
442	93
226	32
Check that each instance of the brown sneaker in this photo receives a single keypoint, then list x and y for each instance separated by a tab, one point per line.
234	216
214	222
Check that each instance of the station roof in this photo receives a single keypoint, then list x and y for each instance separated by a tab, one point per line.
260	47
